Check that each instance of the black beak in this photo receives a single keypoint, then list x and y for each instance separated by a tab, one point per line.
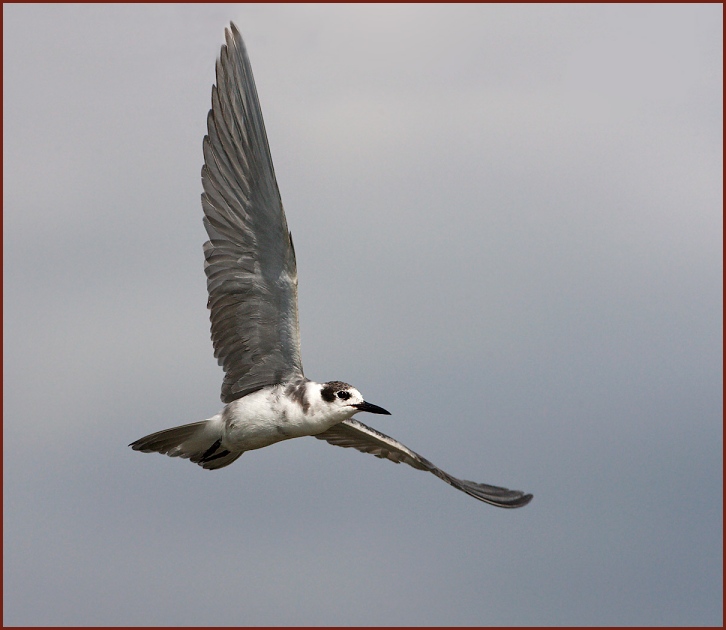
366	406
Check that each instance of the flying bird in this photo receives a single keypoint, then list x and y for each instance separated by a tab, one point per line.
252	284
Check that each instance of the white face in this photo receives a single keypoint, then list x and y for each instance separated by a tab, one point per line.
346	399
341	397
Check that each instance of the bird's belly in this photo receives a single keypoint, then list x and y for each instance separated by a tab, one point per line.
249	435
252	424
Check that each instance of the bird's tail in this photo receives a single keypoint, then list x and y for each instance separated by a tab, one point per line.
201	442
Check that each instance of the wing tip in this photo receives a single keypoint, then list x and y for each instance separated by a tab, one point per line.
233	37
521	501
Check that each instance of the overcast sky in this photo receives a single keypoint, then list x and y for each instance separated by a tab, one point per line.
508	224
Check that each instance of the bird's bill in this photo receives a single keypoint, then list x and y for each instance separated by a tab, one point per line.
366	406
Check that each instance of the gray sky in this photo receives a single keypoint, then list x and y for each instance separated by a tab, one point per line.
508	223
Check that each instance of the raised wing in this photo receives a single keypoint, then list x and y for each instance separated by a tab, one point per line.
353	434
249	258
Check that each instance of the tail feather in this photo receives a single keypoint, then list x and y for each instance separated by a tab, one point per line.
200	442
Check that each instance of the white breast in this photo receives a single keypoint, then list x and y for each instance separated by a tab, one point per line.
268	416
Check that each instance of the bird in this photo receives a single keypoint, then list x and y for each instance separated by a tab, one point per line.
251	273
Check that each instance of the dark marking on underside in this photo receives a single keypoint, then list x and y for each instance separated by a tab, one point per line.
223	453
211	450
298	392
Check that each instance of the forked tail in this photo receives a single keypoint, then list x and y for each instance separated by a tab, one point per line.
200	442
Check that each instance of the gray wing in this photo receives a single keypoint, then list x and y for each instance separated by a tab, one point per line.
353	434
249	258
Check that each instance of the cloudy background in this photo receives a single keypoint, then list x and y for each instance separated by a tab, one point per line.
508	222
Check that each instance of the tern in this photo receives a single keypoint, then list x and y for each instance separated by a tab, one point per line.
252	284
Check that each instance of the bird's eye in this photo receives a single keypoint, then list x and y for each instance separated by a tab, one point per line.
344	395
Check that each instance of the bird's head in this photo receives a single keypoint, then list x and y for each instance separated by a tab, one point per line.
347	399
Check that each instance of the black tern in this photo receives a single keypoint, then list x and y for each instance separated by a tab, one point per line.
252	284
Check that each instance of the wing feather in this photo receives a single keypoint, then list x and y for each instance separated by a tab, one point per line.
353	434
249	258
